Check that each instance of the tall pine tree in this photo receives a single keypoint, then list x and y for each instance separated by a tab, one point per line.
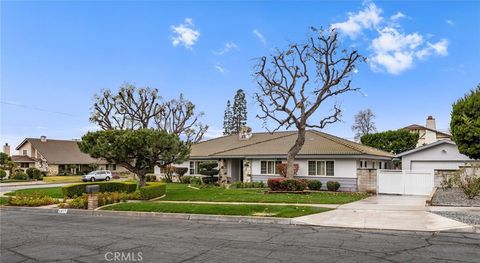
227	120
239	118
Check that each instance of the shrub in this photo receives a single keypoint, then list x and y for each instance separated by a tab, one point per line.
115	176
152	190
181	171
314	185
31	199
247	185
19	175
151	178
186	179
282	184
34	173
333	186
196	180
447	182
468	179
3	174
78	189
209	169
81	202
282	169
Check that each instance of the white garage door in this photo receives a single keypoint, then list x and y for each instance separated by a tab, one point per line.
405	182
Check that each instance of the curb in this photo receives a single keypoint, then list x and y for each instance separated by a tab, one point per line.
193	217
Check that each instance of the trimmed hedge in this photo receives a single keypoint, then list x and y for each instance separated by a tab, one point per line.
152	190
314	185
283	184
78	189
333	186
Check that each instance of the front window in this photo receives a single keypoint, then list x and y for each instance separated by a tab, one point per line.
25	152
24	165
321	168
269	167
194	167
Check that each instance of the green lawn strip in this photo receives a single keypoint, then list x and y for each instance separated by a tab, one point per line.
3	200
216	209
181	192
55	192
63	179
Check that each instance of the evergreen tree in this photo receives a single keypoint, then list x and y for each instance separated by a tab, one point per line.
239	118
227	120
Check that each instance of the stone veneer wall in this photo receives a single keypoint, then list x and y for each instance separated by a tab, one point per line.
367	180
247	171
222	164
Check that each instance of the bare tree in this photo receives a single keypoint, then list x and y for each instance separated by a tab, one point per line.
135	108
364	123
294	84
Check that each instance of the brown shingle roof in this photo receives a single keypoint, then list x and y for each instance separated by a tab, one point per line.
60	151
420	127
316	143
22	159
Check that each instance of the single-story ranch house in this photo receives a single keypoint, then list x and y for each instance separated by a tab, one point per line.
253	156
56	157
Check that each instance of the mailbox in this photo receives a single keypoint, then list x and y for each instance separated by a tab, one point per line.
91	189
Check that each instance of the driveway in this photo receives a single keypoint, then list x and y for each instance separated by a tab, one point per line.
385	212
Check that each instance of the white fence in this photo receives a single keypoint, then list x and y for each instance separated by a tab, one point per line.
405	182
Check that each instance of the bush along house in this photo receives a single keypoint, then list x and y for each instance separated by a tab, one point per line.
57	157
254	157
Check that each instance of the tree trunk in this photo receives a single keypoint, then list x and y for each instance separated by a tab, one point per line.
142	178
294	151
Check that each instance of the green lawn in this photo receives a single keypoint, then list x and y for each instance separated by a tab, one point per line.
55	192
180	192
212	209
3	200
63	179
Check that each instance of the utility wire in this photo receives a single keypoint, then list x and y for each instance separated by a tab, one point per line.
36	108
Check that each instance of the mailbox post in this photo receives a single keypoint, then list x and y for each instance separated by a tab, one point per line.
92	191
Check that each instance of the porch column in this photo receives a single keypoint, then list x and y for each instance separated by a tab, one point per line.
247	171
222	163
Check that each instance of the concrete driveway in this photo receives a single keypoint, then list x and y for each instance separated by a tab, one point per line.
385	212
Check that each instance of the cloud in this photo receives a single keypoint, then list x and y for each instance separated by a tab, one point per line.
367	18
185	34
226	48
220	69
450	22
392	50
260	36
397	16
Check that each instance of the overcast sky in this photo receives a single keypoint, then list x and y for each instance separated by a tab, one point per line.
55	55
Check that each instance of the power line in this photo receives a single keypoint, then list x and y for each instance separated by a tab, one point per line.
36	108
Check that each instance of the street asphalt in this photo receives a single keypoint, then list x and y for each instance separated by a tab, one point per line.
27	236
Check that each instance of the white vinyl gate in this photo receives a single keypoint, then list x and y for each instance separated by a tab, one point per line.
405	182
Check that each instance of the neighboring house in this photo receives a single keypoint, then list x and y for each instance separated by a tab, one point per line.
253	157
429	133
440	155
56	157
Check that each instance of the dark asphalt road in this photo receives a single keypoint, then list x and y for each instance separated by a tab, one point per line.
26	236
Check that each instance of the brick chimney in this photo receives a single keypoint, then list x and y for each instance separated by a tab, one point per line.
430	136
6	149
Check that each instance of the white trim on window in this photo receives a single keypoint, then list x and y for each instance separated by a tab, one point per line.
269	167
320	168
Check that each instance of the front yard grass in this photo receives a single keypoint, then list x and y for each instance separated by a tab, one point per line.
3	200
55	192
63	179
217	209
181	192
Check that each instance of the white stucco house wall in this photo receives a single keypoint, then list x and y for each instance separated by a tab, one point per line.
252	157
440	155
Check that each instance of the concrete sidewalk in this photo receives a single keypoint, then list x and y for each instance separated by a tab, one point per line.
385	212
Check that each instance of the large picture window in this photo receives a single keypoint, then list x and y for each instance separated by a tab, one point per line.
321	168
194	167
268	167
